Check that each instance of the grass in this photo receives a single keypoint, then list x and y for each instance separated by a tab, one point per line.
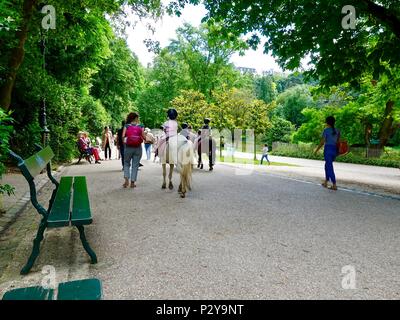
390	158
252	161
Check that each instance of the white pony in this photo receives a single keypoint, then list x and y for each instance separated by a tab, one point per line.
178	151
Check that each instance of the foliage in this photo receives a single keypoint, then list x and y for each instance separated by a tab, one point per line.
206	52
192	108
365	110
292	102
281	131
299	29
163	82
306	151
5	132
265	88
118	82
295	29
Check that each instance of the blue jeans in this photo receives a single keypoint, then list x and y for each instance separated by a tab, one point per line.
122	152
330	153
132	158
147	146
264	156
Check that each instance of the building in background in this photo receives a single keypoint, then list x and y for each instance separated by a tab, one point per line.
244	70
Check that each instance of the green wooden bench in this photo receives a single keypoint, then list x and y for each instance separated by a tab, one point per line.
87	289
68	205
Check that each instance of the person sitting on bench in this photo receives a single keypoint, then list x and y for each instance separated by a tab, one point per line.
84	144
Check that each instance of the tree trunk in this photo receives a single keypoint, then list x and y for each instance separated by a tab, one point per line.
255	148
386	129
367	134
17	55
1	204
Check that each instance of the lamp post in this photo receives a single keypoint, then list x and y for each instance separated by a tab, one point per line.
42	112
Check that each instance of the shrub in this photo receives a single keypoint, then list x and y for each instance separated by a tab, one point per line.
5	131
306	151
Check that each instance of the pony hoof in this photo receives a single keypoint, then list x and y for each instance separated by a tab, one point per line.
164	186
183	195
170	186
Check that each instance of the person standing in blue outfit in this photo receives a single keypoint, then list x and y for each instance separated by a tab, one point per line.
330	138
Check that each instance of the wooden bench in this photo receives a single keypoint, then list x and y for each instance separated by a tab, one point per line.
83	154
87	289
68	205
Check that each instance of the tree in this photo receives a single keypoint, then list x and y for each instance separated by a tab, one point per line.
118	82
163	82
239	109
281	131
292	102
71	13
257	120
192	107
5	132
265	88
308	28
206	52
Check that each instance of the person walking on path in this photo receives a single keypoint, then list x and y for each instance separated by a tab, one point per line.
149	141
107	141
330	138
120	143
265	154
133	136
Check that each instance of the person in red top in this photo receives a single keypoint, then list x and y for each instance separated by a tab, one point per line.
84	144
133	136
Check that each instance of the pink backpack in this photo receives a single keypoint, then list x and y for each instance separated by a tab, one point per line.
134	136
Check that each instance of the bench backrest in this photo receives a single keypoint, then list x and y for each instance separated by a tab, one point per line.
39	161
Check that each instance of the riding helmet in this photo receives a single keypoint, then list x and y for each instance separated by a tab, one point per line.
172	114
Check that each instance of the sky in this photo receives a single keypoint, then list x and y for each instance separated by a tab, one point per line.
165	31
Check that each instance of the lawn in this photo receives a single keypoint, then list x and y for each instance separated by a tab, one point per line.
252	161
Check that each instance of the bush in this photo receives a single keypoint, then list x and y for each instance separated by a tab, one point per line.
281	131
5	131
306	151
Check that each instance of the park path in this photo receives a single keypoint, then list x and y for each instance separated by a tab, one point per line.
238	235
362	177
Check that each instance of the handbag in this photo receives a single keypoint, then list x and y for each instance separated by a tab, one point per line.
342	148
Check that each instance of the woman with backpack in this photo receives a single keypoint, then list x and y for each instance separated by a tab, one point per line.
133	136
330	138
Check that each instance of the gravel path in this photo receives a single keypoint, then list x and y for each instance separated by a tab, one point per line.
238	235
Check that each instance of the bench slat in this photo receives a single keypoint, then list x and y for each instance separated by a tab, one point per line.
81	214
38	161
60	211
32	293
88	289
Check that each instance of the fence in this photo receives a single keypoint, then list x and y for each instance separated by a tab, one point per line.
367	152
